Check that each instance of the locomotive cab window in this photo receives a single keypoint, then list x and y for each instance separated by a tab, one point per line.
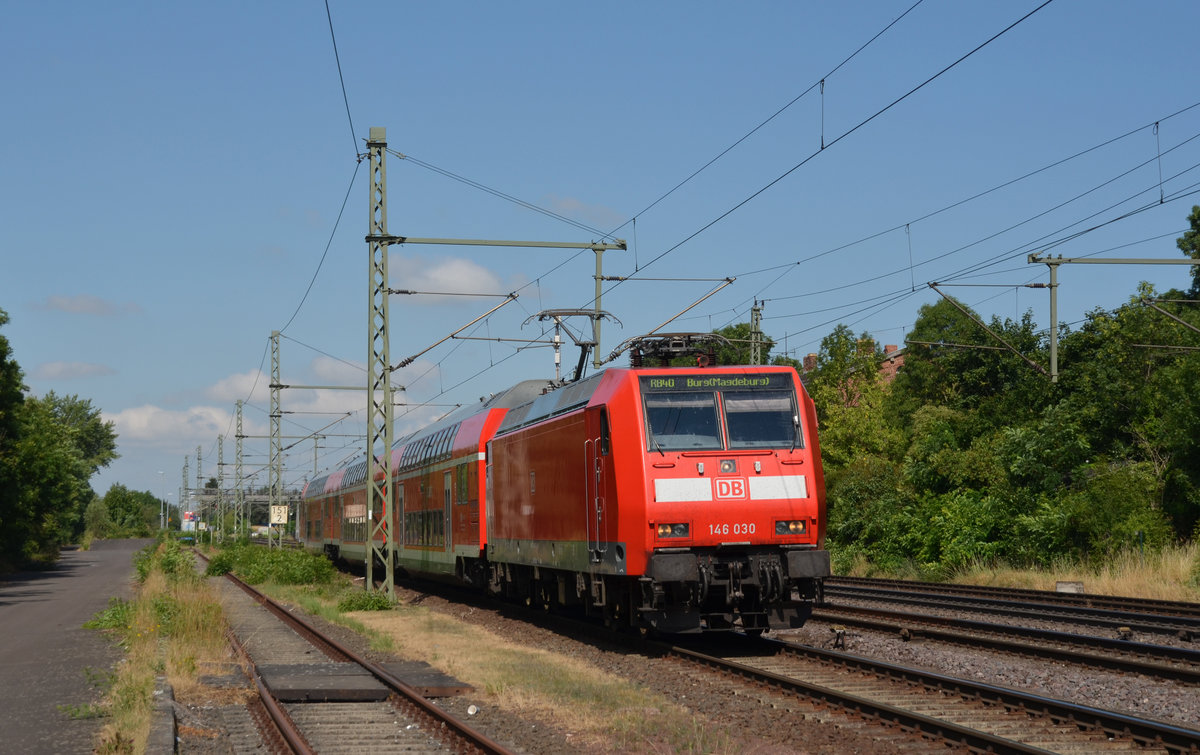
720	411
761	419
682	421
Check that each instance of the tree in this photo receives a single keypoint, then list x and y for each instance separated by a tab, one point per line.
95	438
133	513
1138	404
1189	244
956	364
52	485
49	449
96	519
847	366
11	400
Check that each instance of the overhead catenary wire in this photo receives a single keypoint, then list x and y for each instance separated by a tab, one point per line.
973	197
633	219
342	80
841	137
975	268
773	116
500	194
324	253
836	140
641	279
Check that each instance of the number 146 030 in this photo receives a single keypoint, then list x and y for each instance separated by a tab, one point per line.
737	528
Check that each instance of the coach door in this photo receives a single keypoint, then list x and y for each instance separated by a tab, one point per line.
447	507
597	469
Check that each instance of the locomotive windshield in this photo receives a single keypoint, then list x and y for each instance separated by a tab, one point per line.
682	421
715	412
760	419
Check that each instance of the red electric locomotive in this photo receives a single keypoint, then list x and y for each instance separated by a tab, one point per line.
678	499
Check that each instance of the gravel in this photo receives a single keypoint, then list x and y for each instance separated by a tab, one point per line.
762	721
1134	694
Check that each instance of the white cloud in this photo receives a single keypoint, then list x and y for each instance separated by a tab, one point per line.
71	370
239	386
86	304
442	275
331	371
152	424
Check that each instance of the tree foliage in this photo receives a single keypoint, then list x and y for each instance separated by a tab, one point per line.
49	449
1189	244
971	454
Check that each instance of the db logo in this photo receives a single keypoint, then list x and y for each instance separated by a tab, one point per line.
731	488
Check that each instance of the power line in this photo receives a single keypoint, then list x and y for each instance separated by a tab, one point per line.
342	80
502	195
601	234
329	243
751	132
358	367
845	134
1021	249
972	198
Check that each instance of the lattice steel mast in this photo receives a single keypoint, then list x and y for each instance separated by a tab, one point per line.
379	369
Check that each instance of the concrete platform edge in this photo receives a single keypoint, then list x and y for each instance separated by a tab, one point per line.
163	726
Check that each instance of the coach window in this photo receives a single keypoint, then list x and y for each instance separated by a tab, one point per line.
461	484
682	421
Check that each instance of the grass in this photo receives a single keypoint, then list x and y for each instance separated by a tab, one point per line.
173	627
1172	573
602	710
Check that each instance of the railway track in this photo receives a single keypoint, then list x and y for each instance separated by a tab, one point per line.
316	695
921	711
1121	619
940	709
1154	661
1048	597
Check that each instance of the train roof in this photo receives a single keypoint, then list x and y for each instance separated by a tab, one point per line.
516	395
564	399
513	396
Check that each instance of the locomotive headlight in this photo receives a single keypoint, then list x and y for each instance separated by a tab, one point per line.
793	527
728	466
680	529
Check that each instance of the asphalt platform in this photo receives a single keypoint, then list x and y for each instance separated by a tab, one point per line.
51	668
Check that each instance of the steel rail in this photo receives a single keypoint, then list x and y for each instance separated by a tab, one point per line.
1146	732
978	741
284	727
919	625
410	696
1185	626
1090	600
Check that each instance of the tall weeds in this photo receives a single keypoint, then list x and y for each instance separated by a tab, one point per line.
172	627
1171	573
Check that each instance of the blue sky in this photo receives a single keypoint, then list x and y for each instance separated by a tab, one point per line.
173	175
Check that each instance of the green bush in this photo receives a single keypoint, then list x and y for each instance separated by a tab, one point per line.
361	600
167	556
118	615
254	565
220	563
143	561
175	561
